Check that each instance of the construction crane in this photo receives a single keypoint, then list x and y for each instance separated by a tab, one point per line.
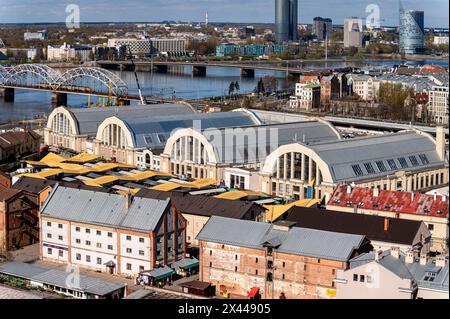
136	76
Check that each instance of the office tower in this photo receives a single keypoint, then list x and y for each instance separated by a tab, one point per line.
412	32
322	28
206	19
286	19
353	33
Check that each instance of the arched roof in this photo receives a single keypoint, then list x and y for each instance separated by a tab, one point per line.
368	157
131	142
72	119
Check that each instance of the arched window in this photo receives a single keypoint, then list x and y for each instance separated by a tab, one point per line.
147	159
297	166
188	148
61	124
113	135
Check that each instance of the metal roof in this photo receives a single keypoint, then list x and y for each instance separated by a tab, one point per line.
342	155
59	278
90	118
153	132
297	241
104	209
413	271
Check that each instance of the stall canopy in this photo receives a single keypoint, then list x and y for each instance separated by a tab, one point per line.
159	273
185	264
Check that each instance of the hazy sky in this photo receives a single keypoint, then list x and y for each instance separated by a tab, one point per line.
12	11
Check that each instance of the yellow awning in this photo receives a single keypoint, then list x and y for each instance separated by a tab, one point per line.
166	187
83	158
200	183
276	211
236	195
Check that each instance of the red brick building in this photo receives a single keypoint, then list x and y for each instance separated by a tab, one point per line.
13	144
274	260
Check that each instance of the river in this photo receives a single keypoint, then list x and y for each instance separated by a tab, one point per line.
29	104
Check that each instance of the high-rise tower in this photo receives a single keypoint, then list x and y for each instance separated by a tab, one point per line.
412	31
286	20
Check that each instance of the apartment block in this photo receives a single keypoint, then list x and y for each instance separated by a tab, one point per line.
277	260
110	232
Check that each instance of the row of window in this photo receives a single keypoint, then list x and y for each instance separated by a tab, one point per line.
362	278
88	231
357	169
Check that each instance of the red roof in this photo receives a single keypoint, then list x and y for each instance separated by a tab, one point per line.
391	201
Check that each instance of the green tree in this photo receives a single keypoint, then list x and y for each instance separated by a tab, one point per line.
231	88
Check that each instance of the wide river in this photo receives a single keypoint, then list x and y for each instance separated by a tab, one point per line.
29	104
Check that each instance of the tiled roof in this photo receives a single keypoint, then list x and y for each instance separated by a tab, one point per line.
390	201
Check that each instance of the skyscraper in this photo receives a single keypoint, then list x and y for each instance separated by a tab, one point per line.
353	32
286	20
412	31
322	28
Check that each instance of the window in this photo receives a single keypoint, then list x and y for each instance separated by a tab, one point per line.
128	237
283	276
430	226
141	240
369	168
88	243
77	229
235	257
88	231
129	250
256	261
141	252
424	159
88	258
284	264
60	226
210	264
362	278
357	170
49	224
355	277
78	241
162	138
78	257
99	232
235	268
110	235
99	245
333	272
414	160
99	261
392	164
128	266
256	272
61	253
403	162
148	139
141	268
49	251
210	252
380	166
429	276
60	237
369	279
49	235
110	247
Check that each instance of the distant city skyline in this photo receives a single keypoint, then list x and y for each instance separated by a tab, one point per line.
252	11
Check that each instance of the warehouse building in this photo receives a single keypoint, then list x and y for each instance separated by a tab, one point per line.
274	260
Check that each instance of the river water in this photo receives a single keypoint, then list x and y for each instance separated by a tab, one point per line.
181	84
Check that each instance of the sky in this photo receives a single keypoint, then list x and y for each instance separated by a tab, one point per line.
246	11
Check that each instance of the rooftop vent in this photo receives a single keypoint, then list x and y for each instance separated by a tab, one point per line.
283	225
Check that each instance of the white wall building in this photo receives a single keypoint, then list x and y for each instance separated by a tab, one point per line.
438	102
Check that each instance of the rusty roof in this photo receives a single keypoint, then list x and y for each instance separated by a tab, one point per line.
391	201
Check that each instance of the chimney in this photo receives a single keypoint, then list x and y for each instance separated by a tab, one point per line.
395	252
440	261
378	254
387	224
376	192
423	259
409	259
440	142
128	200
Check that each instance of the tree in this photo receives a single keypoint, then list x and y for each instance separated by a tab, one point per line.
260	87
231	88
270	83
236	86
